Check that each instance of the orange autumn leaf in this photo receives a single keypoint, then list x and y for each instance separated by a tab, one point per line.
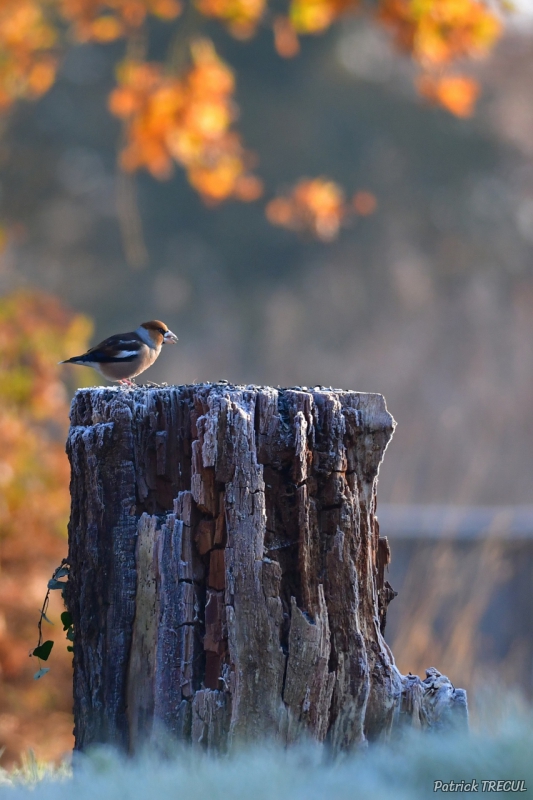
30	32
27	40
216	182
248	188
241	17
313	206
166	9
457	93
285	38
106	29
107	20
123	102
185	120
317	206
437	32
41	76
315	16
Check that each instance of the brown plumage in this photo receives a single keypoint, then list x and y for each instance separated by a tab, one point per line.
125	355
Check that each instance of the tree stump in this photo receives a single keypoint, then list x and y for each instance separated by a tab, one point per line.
227	577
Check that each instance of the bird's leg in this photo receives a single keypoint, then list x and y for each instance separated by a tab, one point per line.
126	382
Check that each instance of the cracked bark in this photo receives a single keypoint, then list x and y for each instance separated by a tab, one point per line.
227	576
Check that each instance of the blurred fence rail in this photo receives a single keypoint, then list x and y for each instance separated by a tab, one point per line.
464	577
462	523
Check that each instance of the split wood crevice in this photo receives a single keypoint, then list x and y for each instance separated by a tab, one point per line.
227	576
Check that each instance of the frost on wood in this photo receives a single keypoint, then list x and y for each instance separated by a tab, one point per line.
227	575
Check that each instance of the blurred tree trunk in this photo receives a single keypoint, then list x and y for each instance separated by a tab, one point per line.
227	575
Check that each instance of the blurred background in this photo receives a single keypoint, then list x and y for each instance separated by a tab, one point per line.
427	300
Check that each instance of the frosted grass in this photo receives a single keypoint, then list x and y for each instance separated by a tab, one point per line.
403	770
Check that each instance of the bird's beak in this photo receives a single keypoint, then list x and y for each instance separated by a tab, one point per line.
170	338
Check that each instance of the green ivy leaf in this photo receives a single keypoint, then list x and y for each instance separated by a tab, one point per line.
61	572
66	619
44	650
40	673
43	615
70	634
70	649
53	584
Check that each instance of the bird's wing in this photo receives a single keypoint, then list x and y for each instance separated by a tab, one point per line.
120	348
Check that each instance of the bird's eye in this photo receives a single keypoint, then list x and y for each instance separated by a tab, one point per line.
162	331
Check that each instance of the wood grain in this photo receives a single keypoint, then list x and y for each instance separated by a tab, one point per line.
227	574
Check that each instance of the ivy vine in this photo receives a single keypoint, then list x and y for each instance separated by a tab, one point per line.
44	648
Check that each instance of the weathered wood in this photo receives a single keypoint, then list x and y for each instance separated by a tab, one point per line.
227	576
142	663
432	703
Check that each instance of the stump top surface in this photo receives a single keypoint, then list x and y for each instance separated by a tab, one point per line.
90	403
222	386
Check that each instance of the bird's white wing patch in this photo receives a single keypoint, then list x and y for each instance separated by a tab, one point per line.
125	353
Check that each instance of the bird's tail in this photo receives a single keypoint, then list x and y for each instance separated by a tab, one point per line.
73	360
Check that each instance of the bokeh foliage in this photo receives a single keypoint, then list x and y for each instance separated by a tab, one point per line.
36	331
182	110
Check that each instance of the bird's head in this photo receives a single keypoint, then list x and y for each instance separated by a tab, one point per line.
159	332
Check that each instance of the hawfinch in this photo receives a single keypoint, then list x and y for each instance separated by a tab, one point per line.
125	355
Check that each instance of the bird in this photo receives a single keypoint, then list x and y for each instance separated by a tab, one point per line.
121	357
